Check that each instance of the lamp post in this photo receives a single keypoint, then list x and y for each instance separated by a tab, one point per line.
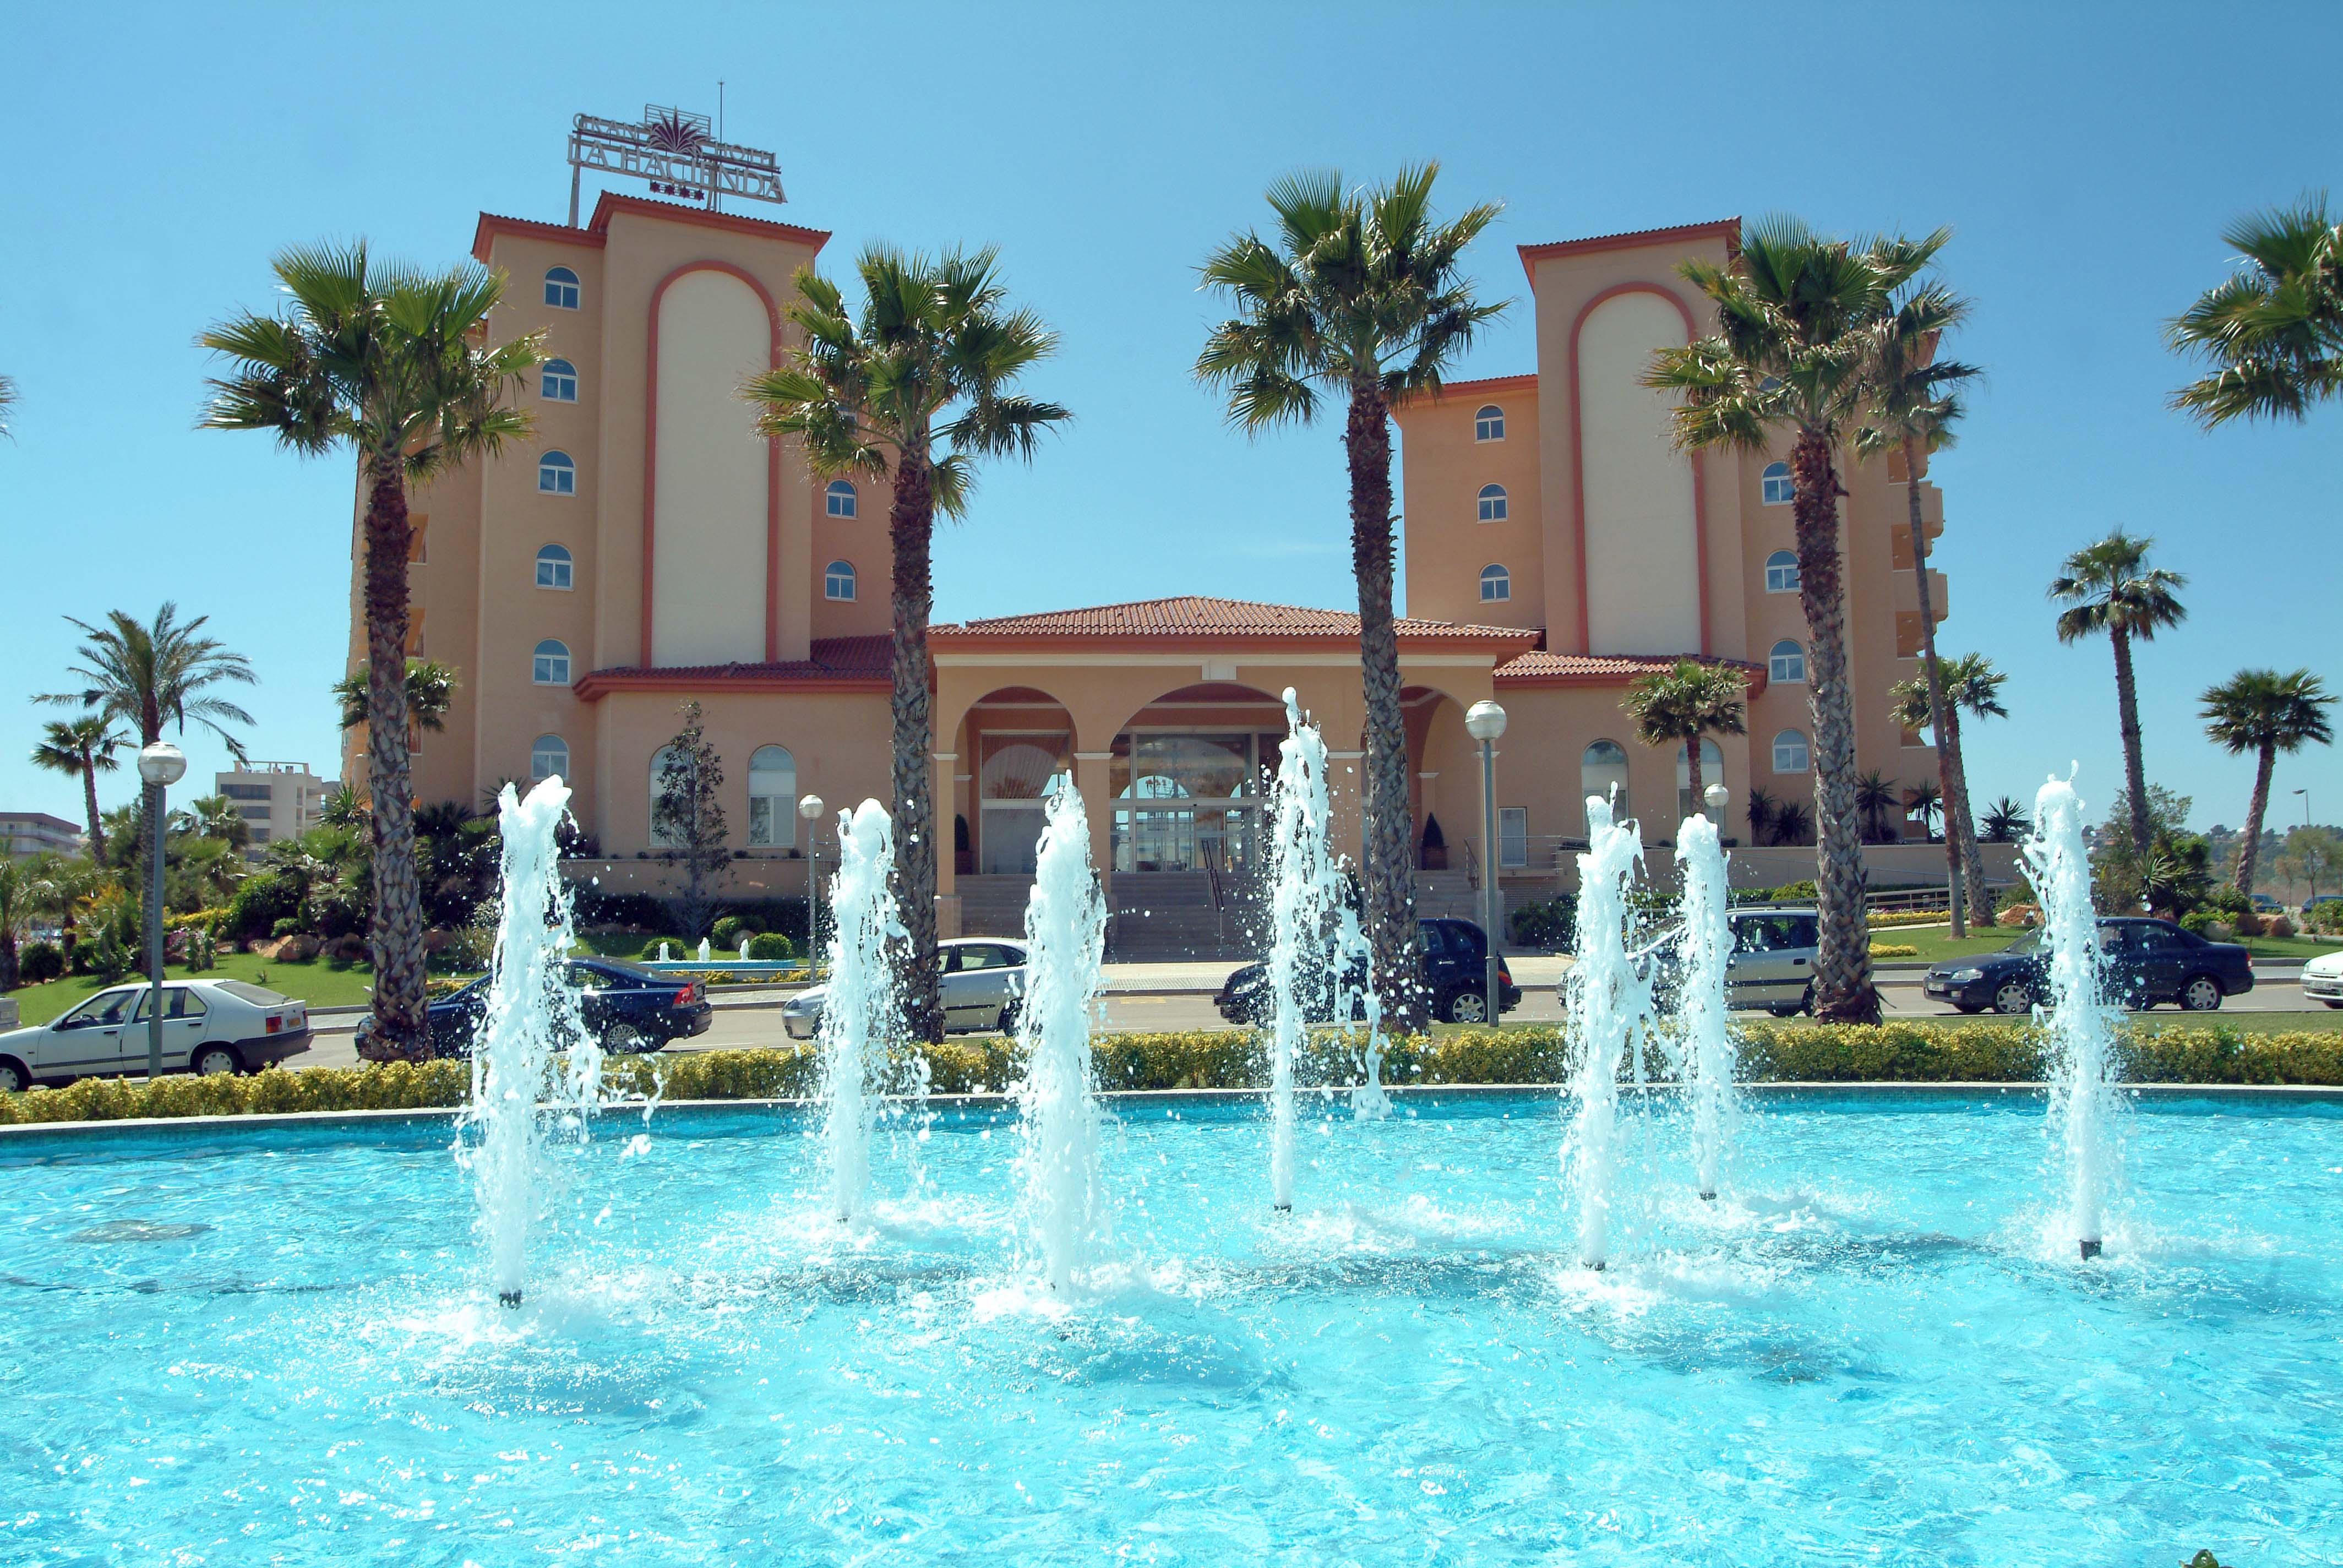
160	766
2313	862
1484	721
809	808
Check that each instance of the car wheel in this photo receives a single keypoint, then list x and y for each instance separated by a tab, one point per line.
15	1079
624	1039
1008	1024
2201	994
2335	1004
214	1062
1790	1010
2013	996
1466	1007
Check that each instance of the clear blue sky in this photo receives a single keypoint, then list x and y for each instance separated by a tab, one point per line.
2087	158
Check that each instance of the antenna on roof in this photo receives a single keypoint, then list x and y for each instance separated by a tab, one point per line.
674	150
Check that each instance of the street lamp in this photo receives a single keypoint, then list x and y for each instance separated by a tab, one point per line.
1716	796
1484	721
161	766
809	808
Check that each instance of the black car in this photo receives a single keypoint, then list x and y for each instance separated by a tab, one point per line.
1453	955
2144	962
627	1008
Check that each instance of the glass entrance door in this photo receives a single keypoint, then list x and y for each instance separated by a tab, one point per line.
1186	802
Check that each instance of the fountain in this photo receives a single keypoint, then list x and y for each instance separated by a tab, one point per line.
703	949
744	946
1607	1006
2079	1025
529	1008
1057	1105
859	1018
1703	944
1305	887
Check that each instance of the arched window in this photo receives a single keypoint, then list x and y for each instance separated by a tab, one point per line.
561	288
1712	771
553	567
556	475
1787	663
1489	424
1496	585
1775	489
837	500
837	581
558	380
550	664
1791	753
1602	771
548	755
772	797
1781	572
1493	503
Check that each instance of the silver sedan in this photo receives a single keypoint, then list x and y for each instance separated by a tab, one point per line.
983	978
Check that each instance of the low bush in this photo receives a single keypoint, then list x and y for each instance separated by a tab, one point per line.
39	962
1894	950
771	947
261	901
728	931
1884	920
1548	924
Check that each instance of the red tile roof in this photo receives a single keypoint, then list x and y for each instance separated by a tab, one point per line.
1729	228
597	232
1544	669
1192	616
836	664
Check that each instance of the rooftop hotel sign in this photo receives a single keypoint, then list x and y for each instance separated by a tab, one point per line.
675	151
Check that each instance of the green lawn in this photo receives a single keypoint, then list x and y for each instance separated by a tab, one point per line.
319	982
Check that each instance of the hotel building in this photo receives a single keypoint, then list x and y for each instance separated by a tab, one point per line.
644	548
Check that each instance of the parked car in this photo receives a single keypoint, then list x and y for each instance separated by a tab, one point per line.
1453	955
209	1026
628	1009
2144	962
1771	966
2322	978
2312	906
2266	905
983	980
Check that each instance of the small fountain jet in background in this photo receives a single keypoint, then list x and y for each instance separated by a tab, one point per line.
859	1018
529	1008
1306	884
1703	944
1057	1102
2078	1026
1607	1005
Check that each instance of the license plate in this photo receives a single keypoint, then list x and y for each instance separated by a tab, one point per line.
1933	987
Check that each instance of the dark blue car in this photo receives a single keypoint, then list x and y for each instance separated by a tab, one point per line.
2143	962
626	1009
1453	953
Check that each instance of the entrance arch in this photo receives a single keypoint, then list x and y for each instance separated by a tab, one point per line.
1013	740
1189	774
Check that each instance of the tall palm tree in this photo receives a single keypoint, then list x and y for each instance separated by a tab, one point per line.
2274	332
146	676
7	405
2109	586
1360	295
2005	821
390	362
1800	320
1918	405
82	749
2264	712
1967	682
1686	704
914	389
430	692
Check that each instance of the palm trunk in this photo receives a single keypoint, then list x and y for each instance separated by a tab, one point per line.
911	528
1692	778
395	934
1390	869
1940	714
2135	772
1957	817
2248	851
1843	991
89	804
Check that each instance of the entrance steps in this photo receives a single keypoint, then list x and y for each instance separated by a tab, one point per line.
1162	915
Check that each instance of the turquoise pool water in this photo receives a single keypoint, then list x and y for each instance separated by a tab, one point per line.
275	1347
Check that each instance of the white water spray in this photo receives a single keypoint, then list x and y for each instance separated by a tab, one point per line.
1607	1006
1057	1104
859	1016
530	1011
2078	1026
1703	944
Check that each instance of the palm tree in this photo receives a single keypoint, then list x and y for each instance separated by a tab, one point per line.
1800	321
213	817
1684	705
83	748
1918	405
2275	331
2264	712
1363	295
2005	821
1966	681
391	362
7	405
430	692
1874	794
25	890
915	389
2109	586
1924	800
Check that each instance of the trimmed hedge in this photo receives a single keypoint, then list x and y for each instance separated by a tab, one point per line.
1234	1059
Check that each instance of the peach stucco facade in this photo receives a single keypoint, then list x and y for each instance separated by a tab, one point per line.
644	548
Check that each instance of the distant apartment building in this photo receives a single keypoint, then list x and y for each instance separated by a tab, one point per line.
36	832
277	799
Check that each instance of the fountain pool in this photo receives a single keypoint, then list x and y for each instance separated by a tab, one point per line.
274	1344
